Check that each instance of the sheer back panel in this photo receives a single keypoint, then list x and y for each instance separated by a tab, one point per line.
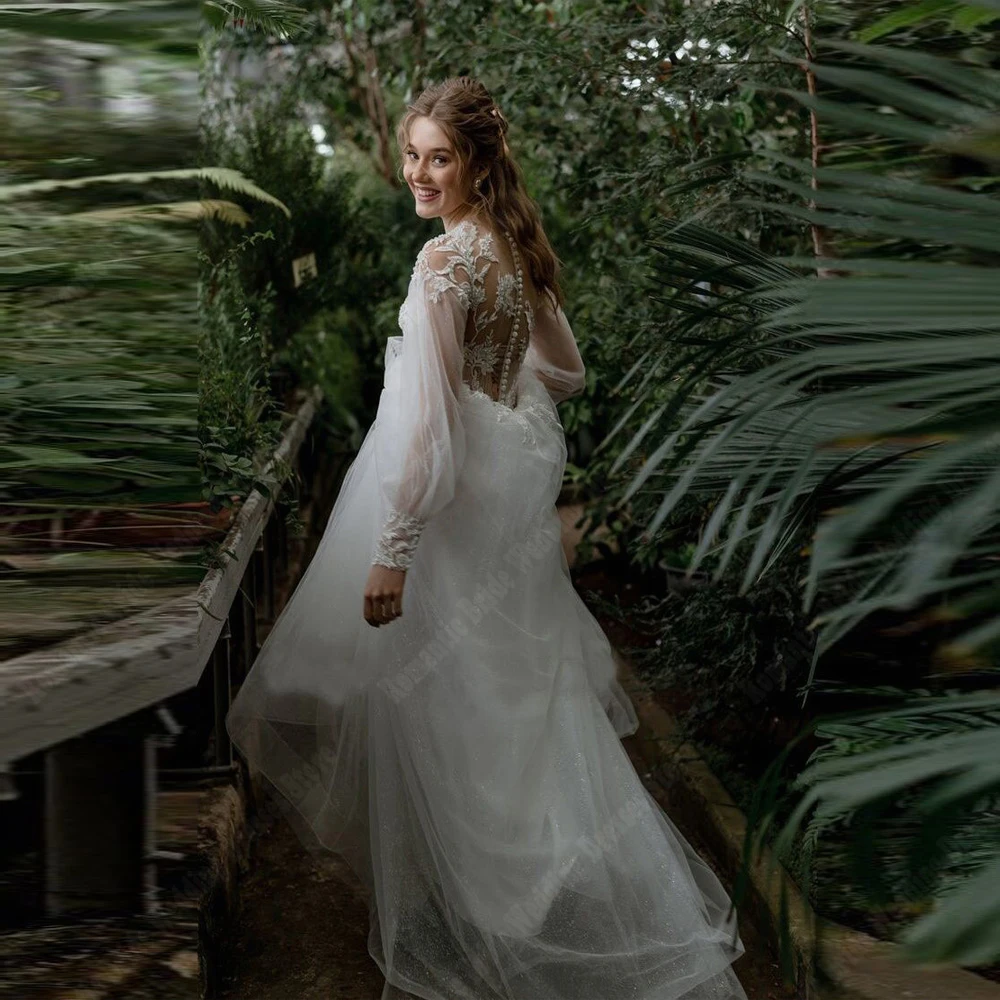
486	269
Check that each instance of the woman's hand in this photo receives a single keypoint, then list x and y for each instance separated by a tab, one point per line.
384	595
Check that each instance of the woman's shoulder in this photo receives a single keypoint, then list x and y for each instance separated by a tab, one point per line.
469	239
457	253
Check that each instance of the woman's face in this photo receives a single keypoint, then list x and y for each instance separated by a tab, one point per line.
431	169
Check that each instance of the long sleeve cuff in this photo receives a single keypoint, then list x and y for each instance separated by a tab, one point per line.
398	541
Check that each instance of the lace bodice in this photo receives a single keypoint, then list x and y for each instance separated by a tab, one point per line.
471	322
489	281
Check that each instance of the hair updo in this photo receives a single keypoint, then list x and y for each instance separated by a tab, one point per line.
463	108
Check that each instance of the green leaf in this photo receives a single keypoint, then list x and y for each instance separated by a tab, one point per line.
962	927
970	18
907	16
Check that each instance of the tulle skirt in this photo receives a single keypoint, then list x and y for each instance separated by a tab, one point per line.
465	759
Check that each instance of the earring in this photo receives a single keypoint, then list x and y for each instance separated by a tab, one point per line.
479	181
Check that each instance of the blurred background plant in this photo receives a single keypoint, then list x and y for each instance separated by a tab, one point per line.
102	494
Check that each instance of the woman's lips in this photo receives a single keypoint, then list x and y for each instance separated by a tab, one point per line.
423	195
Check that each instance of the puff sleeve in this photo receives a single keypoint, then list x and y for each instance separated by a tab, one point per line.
553	353
421	438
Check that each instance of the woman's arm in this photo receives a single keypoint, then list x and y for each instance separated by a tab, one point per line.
421	444
553	354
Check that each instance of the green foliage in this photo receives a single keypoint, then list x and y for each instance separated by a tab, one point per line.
273	139
829	411
162	28
363	251
267	17
916	785
961	17
220	176
851	409
237	422
732	655
144	271
99	441
322	354
90	336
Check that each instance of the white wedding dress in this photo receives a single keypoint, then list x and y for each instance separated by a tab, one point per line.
465	759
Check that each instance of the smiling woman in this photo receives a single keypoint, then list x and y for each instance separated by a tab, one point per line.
465	756
456	161
433	172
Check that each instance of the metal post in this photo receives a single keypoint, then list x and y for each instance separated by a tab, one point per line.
265	579
237	644
305	465
249	590
281	542
150	891
272	539
222	696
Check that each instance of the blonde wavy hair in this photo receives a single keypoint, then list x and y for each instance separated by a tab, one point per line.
463	108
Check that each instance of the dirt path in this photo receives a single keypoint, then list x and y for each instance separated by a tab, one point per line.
304	928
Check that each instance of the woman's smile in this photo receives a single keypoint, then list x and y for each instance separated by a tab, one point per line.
433	172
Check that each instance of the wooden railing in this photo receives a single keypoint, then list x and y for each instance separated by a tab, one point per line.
95	709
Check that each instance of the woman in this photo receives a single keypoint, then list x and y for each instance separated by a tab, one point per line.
436	701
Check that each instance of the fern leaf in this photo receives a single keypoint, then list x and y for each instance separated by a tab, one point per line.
174	211
270	17
223	177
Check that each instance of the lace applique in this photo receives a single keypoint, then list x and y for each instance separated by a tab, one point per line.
526	414
398	541
481	360
507	295
458	251
529	415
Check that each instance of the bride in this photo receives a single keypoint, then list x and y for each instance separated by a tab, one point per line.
435	702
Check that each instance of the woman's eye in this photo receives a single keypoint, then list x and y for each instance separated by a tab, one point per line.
440	161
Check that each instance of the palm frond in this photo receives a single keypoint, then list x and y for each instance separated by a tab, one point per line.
269	17
961	927
946	749
856	415
854	399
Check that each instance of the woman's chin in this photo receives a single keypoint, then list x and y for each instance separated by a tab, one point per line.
427	210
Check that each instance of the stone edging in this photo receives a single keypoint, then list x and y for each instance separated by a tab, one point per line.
225	833
868	969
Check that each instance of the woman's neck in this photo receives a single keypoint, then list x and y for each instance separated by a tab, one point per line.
461	215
